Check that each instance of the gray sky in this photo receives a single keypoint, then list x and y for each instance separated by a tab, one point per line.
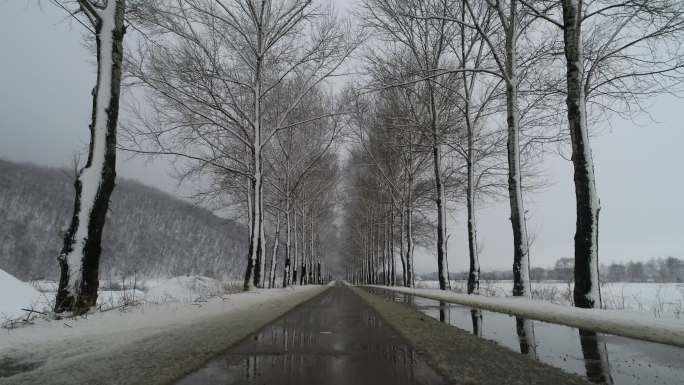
46	76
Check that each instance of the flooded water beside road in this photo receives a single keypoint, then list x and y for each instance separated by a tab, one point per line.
603	359
335	338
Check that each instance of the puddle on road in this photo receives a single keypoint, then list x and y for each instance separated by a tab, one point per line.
333	339
603	359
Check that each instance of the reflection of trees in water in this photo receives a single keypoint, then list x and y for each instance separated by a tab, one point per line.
595	357
292	338
528	343
476	316
443	312
401	357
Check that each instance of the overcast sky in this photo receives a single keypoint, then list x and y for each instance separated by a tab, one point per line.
46	76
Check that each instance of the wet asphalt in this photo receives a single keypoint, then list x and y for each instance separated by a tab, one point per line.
335	338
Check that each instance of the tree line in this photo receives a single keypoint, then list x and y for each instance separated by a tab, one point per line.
455	103
460	102
661	270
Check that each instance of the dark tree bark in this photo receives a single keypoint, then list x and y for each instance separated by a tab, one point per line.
587	293
521	268
79	259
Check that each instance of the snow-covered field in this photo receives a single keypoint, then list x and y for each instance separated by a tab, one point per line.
39	295
659	300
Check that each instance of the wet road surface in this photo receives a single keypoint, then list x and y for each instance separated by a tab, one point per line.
335	338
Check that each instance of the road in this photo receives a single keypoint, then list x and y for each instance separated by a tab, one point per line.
335	338
347	336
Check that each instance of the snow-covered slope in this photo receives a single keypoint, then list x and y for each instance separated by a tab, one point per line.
15	295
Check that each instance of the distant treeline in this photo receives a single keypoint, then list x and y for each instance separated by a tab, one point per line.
669	269
147	231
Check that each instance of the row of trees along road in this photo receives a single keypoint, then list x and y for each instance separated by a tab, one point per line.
458	102
236	91
462	98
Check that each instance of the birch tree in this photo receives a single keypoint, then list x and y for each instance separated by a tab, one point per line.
426	40
616	54
213	68
79	259
503	40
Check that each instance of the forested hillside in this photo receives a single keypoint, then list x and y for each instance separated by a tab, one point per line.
147	231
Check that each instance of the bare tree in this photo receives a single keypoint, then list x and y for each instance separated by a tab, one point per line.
214	69
79	259
616	54
426	40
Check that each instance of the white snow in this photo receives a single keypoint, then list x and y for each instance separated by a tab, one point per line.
40	295
622	323
91	176
157	342
660	300
17	295
184	289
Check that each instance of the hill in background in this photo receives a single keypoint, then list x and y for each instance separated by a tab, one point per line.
147	231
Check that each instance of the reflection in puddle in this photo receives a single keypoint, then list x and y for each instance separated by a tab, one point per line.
525	330
595	356
603	359
333	339
476	316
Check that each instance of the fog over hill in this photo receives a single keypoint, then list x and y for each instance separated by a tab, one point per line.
147	231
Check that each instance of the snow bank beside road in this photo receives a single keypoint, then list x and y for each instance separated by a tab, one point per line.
150	344
184	289
660	300
620	323
39	295
14	295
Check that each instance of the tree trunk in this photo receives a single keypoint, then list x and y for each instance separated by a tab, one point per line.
288	243
302	272
296	251
521	257
401	249
393	266
474	271
587	293
441	228
260	275
254	263
385	259
311	254
250	224
79	259
274	257
474	266
409	247
442	270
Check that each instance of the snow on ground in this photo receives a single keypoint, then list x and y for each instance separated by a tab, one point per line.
660	300
157	342
39	295
618	322
16	295
184	289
